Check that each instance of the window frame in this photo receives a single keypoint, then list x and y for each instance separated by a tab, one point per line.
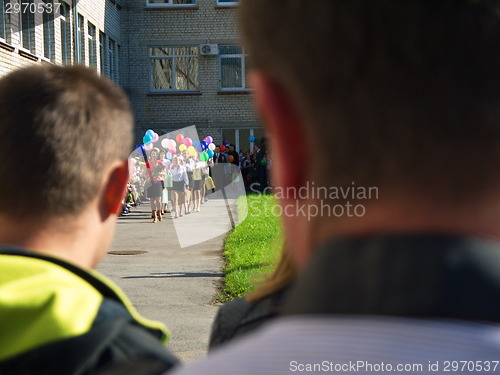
173	72
170	5
243	59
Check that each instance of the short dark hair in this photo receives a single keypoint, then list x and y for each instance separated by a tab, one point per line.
400	94
60	127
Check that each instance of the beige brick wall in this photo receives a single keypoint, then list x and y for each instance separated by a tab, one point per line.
103	14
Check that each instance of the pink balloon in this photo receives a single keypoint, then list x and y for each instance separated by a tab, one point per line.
172	151
148	147
171	144
188	142
155	138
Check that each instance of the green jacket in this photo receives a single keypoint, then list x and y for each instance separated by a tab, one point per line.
56	318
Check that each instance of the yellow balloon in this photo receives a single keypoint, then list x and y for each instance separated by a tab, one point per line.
191	151
182	147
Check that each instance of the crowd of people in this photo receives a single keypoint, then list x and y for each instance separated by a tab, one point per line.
180	183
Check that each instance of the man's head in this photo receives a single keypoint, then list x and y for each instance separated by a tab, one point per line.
400	95
65	134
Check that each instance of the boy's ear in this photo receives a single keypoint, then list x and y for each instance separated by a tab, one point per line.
114	189
284	127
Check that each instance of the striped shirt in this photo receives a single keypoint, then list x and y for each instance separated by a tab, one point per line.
358	345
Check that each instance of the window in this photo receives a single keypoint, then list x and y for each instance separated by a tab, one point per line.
102	52
81	39
65	34
233	68
169	3
174	68
48	32
227	2
27	26
4	22
91	37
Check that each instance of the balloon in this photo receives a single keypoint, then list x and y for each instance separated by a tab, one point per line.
251	138
199	148
155	138
203	145
222	148
188	141
263	162
171	145
148	147
209	140
182	147
150	132
224	142
204	156
179	138
169	156
172	151
210	154
191	151
164	143
147	139
196	143
211	146
230	158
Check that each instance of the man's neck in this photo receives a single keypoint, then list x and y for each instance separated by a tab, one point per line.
73	240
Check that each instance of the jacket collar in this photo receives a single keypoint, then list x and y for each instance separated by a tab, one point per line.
411	276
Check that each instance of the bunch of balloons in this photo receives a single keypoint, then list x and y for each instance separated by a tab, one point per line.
149	138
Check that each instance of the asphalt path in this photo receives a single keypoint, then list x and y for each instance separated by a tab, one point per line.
174	285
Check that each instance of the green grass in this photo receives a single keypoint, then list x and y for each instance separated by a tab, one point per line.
252	249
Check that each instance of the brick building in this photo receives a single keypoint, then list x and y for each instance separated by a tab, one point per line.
179	61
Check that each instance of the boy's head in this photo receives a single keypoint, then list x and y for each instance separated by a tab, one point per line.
61	128
403	95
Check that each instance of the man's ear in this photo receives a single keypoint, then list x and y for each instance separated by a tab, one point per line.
285	128
114	189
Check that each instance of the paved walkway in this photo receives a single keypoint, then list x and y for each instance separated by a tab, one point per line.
168	283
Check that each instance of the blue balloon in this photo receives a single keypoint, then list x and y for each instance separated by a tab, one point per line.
251	138
150	132
147	139
199	148
210	153
169	156
196	142
203	145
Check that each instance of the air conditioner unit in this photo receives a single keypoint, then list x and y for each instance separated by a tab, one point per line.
209	49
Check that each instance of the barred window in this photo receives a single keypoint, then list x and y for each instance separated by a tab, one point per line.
233	68
27	19
169	3
174	68
81	39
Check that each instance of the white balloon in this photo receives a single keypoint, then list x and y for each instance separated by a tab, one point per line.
211	146
164	143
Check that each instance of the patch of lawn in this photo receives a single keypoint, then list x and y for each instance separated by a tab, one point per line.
252	249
